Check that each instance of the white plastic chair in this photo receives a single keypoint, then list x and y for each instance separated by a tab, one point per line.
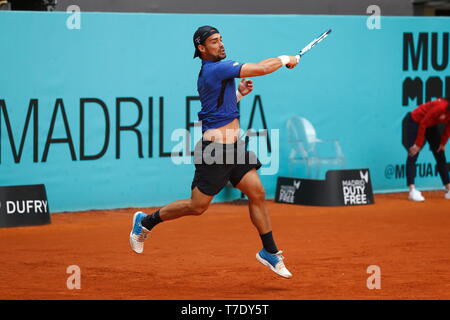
309	150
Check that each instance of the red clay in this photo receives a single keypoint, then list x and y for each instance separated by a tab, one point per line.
213	256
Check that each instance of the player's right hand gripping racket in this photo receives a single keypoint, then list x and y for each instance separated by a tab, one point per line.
311	45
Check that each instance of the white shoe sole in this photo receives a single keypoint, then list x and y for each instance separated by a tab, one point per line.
131	239
267	264
416	200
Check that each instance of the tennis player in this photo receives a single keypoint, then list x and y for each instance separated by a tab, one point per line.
422	124
220	127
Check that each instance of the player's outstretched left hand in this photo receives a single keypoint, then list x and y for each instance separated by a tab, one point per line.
245	86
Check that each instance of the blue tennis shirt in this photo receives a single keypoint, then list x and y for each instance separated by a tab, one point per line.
217	92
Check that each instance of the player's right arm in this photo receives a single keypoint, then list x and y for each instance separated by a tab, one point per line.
267	66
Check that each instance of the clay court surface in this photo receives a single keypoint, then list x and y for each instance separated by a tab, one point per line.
213	256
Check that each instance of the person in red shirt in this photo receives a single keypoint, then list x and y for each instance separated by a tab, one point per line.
422	126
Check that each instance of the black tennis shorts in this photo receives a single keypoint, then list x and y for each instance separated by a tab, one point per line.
217	163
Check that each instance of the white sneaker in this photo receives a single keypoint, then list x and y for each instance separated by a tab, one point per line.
447	195
416	195
138	233
274	261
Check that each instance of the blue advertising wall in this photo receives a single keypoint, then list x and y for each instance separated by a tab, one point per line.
137	70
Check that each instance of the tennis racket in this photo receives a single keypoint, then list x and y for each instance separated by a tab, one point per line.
312	44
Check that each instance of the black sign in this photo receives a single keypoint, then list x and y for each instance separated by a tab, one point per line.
340	188
23	206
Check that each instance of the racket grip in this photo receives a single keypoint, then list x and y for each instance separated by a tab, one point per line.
296	57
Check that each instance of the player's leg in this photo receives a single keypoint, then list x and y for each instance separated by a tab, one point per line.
411	134
434	138
144	223
196	205
250	184
411	171
208	180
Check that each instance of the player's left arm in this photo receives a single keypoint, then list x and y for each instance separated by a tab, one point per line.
244	88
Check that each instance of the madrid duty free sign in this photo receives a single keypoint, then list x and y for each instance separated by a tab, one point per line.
340	188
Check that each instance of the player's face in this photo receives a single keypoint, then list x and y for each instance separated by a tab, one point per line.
214	48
